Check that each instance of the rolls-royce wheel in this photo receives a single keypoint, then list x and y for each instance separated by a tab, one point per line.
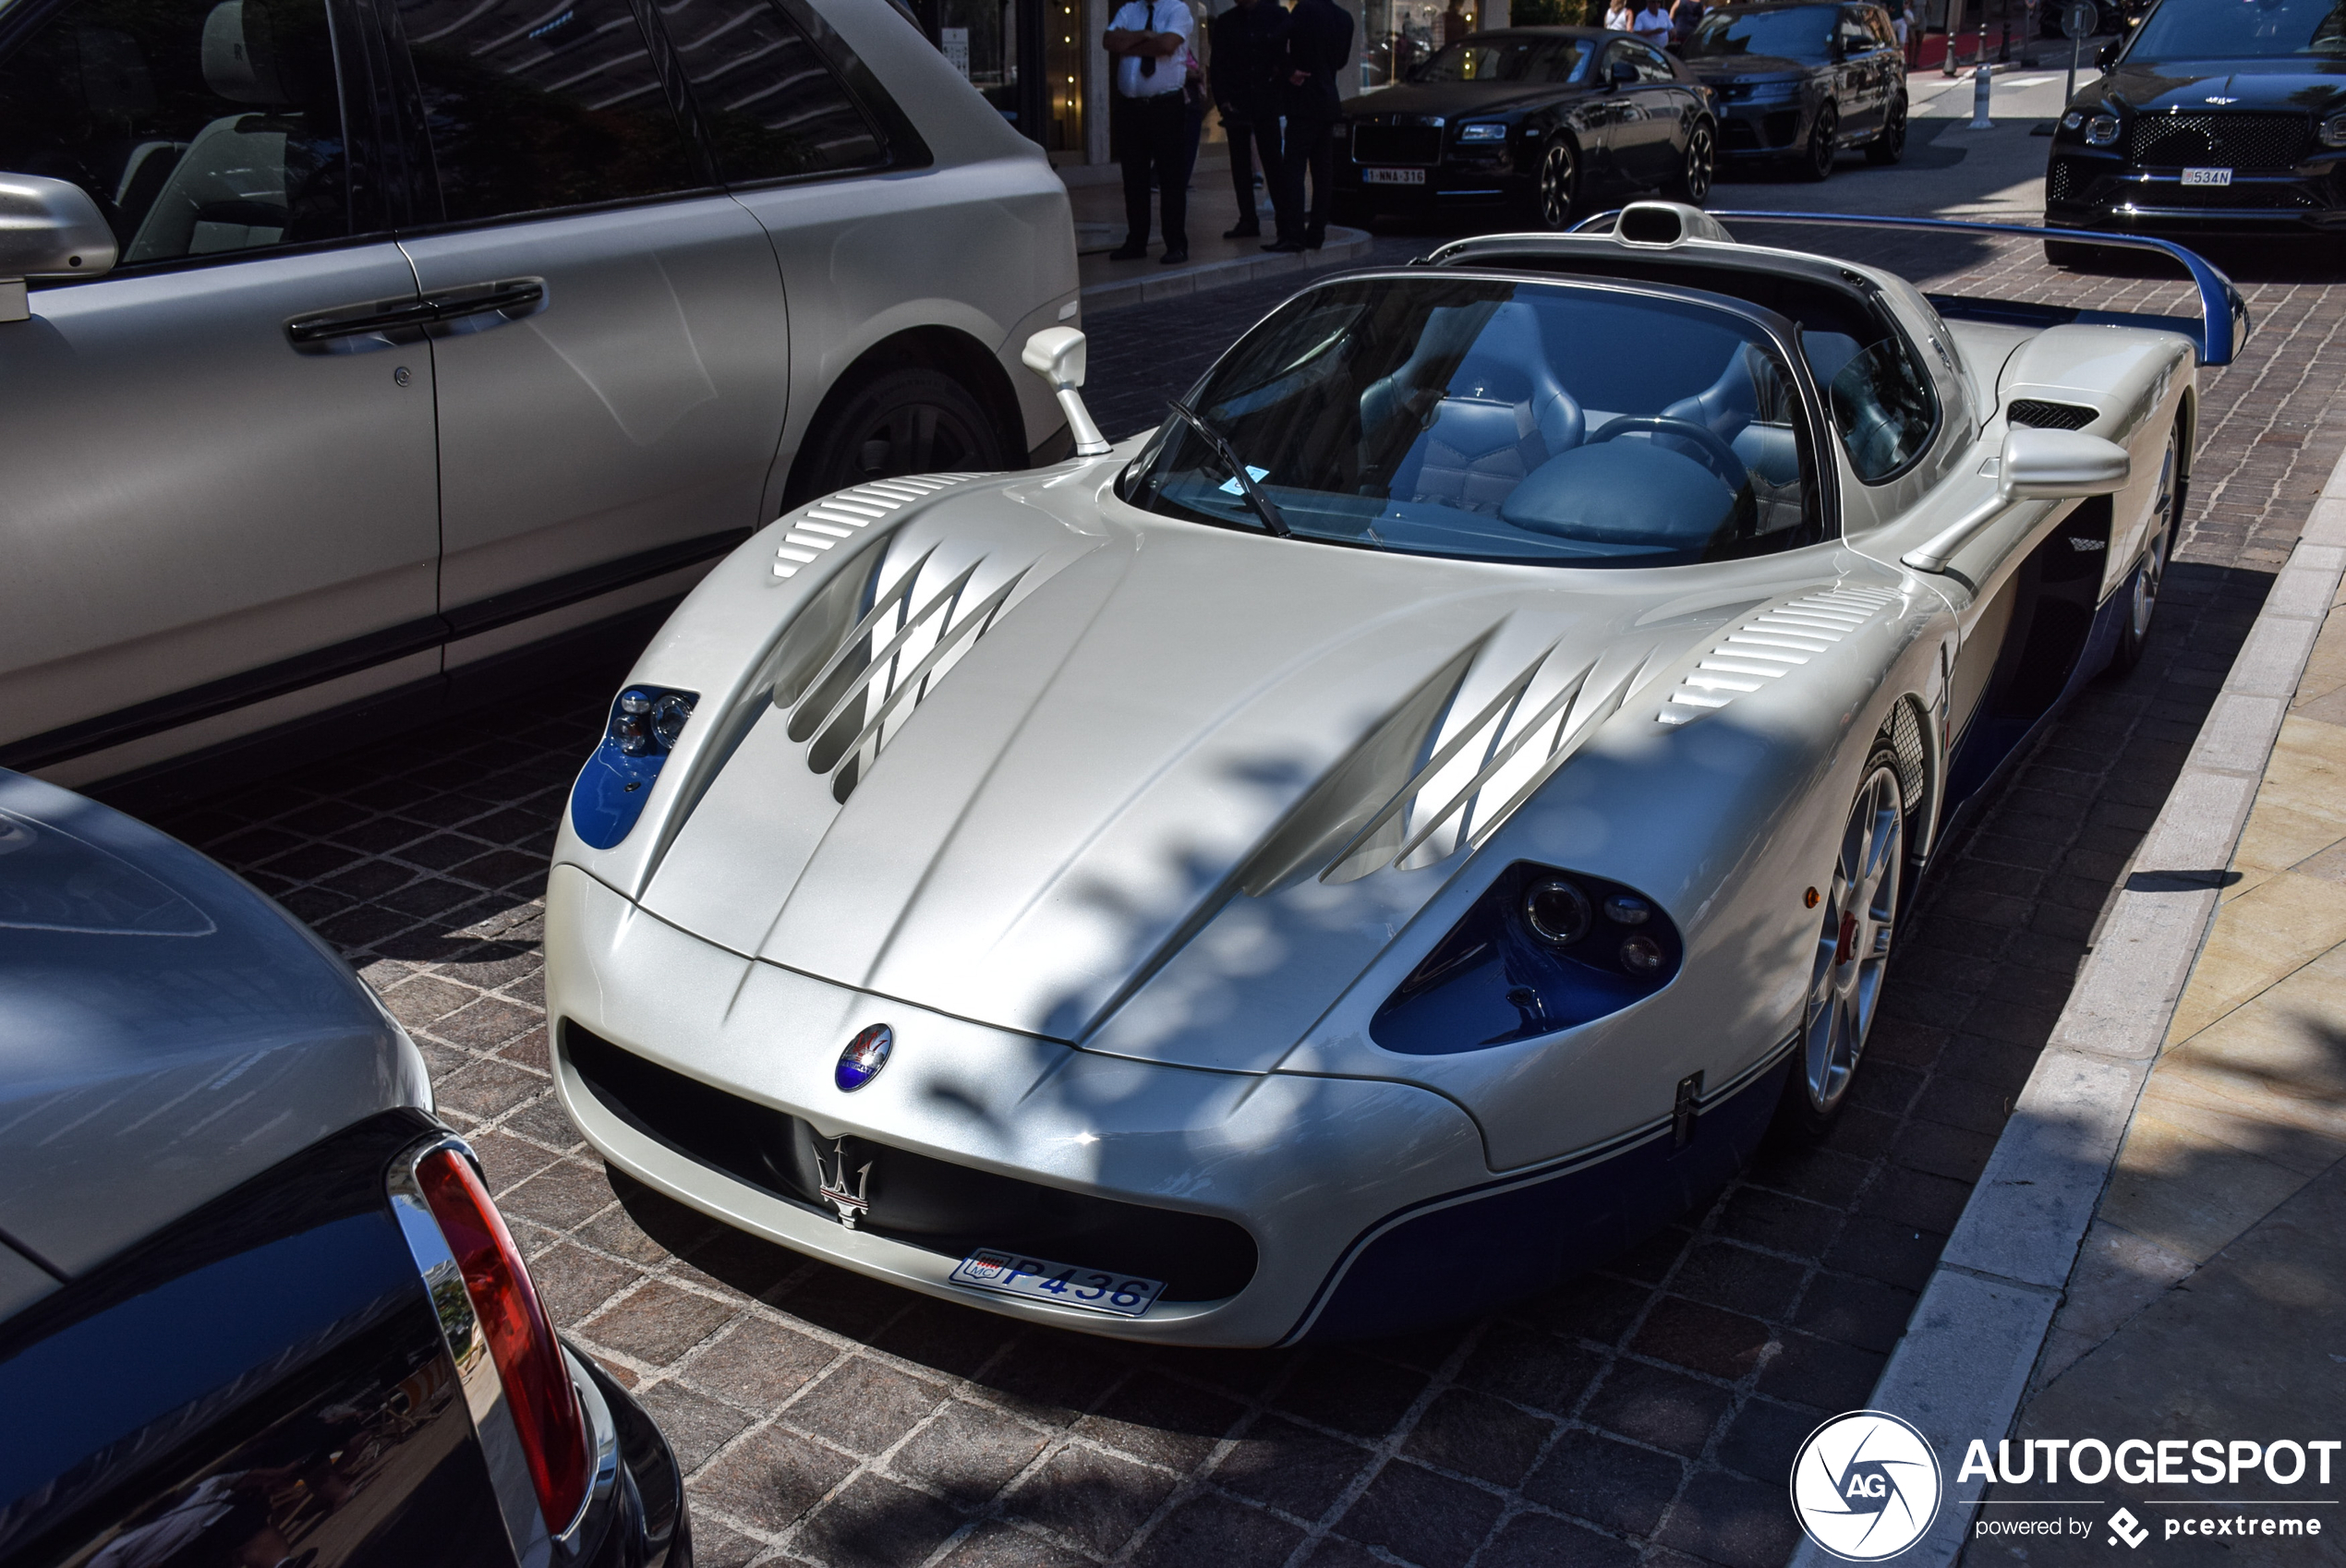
2142	589
1824	144
1861	908
1559	186
1692	183
1890	145
911	420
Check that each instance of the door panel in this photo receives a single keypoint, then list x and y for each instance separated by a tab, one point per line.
612	382
635	403
192	493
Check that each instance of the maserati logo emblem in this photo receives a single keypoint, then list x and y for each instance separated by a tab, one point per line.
850	1202
865	1056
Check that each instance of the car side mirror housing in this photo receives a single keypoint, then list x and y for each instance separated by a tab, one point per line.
1620	74
48	229
1057	355
2107	56
2060	465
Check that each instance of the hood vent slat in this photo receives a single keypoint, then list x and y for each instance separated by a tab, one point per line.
858	506
1770	646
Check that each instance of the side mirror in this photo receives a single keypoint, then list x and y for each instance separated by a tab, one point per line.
48	229
1620	74
1057	355
2060	465
2107	56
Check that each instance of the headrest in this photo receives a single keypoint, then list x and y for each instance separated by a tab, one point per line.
232	67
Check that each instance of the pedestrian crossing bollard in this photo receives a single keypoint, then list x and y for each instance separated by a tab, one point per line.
1980	120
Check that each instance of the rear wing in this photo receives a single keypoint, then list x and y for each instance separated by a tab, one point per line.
2219	332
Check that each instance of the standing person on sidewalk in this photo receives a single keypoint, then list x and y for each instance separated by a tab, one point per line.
1685	17
1618	17
1653	23
1318	44
1246	48
1149	40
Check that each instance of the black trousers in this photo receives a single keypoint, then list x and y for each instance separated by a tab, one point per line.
1246	138
1311	148
1152	136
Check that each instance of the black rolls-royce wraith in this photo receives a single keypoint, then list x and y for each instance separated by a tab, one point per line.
1534	120
2215	116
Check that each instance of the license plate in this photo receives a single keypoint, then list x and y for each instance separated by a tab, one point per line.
2207	176
1393	176
1062	1284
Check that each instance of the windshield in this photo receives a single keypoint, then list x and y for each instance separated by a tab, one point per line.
1491	419
2243	29
1804	32
1506	59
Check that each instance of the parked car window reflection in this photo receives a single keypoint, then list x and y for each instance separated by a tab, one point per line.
197	127
528	112
1547	59
1803	32
772	106
2266	29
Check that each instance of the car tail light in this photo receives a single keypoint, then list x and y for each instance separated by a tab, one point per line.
520	1339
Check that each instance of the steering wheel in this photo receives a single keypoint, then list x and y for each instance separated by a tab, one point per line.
1715	455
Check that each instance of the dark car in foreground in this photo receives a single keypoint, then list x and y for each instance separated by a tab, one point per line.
2213	117
1800	83
256	1307
1532	121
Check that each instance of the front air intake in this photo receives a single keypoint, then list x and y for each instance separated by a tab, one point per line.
2041	416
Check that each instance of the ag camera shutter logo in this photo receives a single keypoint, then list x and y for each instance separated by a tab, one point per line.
1866	1485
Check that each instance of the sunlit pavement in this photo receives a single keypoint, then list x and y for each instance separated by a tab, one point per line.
1646	1413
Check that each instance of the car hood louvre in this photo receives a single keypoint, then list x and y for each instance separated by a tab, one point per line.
1771	645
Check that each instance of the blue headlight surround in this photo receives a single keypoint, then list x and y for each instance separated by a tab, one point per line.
643	726
1494	979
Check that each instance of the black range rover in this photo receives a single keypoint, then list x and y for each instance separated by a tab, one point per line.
2215	116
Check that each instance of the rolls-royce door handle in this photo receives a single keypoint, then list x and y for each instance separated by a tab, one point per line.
347	330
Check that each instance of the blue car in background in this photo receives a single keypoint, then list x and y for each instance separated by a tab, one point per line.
256	1306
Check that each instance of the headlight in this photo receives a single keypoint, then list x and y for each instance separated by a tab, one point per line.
645	725
2334	131
1484	131
2073	119
1541	950
2101	130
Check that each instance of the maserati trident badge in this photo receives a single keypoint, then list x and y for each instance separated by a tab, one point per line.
865	1056
851	1203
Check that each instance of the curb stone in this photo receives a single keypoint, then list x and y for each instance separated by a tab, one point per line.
1962	1366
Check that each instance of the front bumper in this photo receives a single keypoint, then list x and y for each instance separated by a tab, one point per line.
1762	130
1304	1164
2088	191
1455	181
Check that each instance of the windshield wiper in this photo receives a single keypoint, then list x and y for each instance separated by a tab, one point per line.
1263	506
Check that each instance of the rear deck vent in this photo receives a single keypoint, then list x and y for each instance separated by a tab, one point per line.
2041	416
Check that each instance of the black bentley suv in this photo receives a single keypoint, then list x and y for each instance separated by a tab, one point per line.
1800	83
2214	116
257	1309
1530	120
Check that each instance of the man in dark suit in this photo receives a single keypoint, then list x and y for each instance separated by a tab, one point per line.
1247	50
1319	45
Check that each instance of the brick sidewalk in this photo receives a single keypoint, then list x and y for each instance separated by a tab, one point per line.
1647	1413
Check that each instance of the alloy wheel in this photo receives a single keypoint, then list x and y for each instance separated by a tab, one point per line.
1559	174
1852	949
1890	145
1823	143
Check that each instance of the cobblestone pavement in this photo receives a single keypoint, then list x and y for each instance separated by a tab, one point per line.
1645	1414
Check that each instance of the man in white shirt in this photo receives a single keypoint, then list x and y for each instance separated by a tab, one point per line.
1654	24
1149	40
